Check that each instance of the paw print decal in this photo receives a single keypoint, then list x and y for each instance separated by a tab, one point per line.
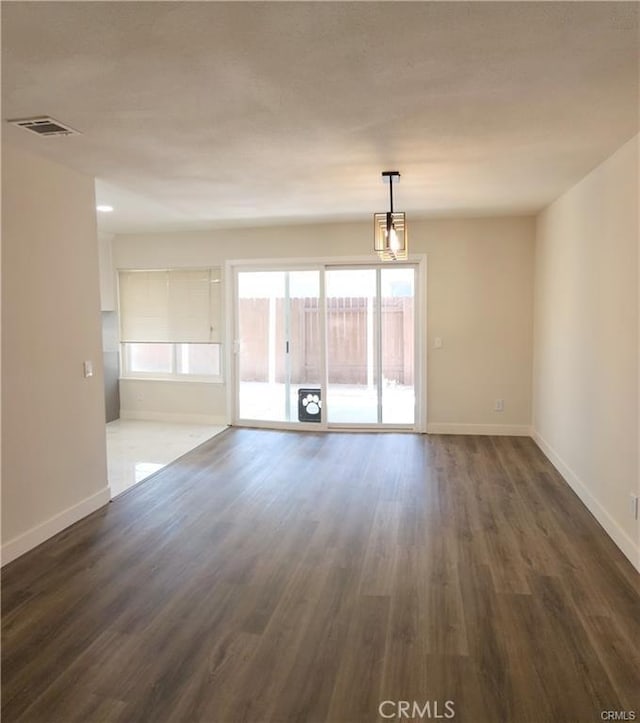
312	404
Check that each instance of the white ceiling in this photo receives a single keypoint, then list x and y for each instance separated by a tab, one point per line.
204	114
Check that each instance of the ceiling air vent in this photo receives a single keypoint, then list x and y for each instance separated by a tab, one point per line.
44	126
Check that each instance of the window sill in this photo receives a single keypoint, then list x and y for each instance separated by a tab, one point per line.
180	380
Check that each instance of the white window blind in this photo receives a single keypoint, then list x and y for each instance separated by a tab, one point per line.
172	306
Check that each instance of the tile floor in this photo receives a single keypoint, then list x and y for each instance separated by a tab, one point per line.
137	449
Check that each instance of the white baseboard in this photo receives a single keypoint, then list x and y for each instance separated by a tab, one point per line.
501	430
38	534
177	417
630	548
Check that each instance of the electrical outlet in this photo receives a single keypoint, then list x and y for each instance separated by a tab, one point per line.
499	405
633	503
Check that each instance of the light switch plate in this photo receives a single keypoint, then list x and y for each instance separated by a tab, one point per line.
88	369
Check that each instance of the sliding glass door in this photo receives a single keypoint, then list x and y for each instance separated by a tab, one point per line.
352	341
279	346
397	345
370	345
333	346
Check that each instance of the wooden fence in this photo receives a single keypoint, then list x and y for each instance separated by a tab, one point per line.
347	340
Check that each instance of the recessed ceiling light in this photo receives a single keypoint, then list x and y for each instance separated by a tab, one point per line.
104	209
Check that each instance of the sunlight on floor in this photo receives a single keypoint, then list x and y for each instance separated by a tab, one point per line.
137	449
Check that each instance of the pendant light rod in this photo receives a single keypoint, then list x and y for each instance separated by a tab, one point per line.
390	176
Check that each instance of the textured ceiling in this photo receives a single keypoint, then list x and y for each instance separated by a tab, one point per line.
209	114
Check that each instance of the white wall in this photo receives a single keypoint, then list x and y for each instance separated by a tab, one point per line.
107	273
53	439
173	401
585	383
480	302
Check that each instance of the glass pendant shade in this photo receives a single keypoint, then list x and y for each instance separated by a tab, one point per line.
390	236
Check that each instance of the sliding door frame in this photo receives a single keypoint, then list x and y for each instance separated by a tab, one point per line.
233	267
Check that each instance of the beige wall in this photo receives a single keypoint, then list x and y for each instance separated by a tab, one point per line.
479	302
53	437
585	384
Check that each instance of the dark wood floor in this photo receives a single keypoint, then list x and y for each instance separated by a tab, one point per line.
278	576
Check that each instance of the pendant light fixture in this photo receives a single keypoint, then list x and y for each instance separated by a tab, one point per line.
390	228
